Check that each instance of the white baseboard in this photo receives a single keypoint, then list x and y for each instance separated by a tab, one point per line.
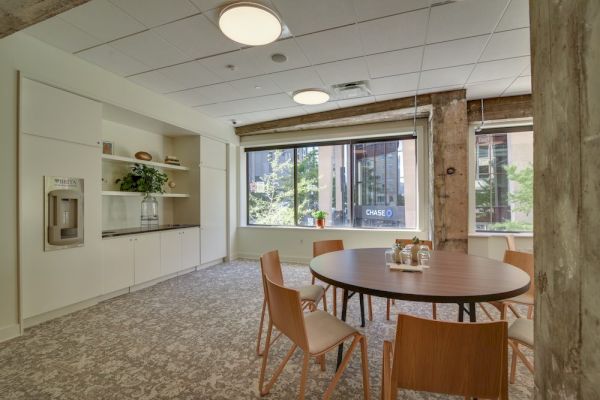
47	316
9	332
292	259
209	264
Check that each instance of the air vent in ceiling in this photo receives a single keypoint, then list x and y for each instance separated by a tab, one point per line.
350	90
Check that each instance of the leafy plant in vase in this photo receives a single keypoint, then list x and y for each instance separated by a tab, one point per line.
147	180
320	216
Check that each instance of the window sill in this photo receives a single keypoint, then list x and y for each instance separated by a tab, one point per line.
329	228
499	234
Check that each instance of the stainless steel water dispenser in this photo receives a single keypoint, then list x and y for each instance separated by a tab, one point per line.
63	212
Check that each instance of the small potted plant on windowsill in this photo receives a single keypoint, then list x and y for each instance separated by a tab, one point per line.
319	216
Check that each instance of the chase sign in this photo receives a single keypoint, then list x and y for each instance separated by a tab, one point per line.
382	213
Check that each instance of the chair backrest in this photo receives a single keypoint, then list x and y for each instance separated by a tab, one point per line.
464	359
285	312
523	261
327	246
271	267
404	242
510	242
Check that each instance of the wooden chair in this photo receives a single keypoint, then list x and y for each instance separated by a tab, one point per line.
328	246
270	266
389	302
523	261
520	332
316	333
447	357
510	242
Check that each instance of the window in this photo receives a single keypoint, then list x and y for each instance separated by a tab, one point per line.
504	179
363	184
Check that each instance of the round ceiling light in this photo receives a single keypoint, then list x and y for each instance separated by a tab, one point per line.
311	96
250	23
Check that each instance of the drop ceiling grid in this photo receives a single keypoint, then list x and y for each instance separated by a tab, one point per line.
450	48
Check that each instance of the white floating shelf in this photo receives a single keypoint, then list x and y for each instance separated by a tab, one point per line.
119	193
130	160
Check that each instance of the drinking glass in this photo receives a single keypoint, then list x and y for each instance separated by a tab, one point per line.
389	256
407	254
423	255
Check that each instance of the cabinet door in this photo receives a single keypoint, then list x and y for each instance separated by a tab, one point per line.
213	220
117	264
190	248
146	257
170	252
213	153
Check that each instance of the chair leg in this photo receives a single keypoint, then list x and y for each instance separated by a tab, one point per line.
312	281
341	369
514	310
386	371
325	300
261	378
322	362
529	312
370	305
387	309
365	366
513	364
260	328
264	391
334	301
303	375
434	310
486	312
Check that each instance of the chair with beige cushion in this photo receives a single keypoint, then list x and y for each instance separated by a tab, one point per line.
520	332
316	333
310	295
523	261
405	242
462	359
328	246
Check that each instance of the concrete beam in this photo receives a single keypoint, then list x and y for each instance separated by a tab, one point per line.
449	155
565	38
16	15
500	108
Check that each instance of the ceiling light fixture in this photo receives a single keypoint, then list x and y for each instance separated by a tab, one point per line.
250	23
311	96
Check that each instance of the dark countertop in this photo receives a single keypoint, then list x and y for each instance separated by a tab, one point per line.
139	229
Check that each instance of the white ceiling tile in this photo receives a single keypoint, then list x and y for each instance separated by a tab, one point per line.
156	81
218	93
204	5
308	16
521	85
261	56
102	20
303	78
394	33
59	33
190	74
516	16
255	86
356	102
507	44
463	19
254	104
156	12
394	84
196	36
284	112
315	108
453	53
491	70
395	62
381	8
391	96
439	89
343	71
113	60
487	89
215	110
332	45
445	77
150	49
243	67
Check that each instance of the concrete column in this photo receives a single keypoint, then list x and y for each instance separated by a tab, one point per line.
565	43
449	142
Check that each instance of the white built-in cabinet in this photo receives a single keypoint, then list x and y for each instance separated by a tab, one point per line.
136	259
180	250
213	200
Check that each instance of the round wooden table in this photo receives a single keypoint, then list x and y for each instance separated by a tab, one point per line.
451	278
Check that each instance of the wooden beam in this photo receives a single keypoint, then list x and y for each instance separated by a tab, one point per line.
372	108
500	108
16	15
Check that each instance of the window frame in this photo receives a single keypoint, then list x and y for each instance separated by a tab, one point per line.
493	127
350	142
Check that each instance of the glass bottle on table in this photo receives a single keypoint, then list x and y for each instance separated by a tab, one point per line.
423	255
407	254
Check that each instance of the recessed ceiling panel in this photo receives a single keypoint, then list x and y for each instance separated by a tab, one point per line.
445	77
395	32
113	60
491	70
256	86
191	74
230	66
521	85
156	81
395	62
394	84
507	44
218	93
487	89
371	9
261	56
516	16
150	49
343	71
332	45
296	79
453	53
156	12
309	16
59	33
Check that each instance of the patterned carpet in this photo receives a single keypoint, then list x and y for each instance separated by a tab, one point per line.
191	337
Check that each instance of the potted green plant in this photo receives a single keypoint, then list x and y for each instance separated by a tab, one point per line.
415	249
320	216
147	180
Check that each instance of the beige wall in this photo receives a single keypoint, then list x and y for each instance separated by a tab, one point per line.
20	52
